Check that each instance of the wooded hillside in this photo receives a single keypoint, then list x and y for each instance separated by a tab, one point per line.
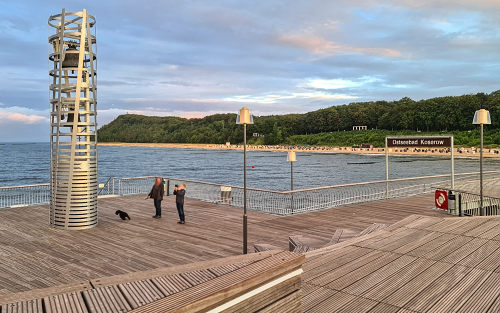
443	114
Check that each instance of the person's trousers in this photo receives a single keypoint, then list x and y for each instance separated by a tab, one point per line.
158	207
180	210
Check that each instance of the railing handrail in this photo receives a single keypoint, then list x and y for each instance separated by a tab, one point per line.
24	186
383	181
470	193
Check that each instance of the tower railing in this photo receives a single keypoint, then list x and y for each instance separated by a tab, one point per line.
73	112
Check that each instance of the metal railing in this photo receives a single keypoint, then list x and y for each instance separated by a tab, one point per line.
269	201
14	196
469	204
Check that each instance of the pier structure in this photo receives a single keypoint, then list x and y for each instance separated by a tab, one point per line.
73	113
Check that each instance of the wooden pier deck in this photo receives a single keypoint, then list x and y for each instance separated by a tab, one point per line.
420	264
33	256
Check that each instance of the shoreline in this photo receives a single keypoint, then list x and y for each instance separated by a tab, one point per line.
436	152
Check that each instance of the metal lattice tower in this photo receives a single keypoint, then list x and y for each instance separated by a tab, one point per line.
73	125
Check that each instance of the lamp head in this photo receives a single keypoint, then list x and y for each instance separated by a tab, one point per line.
291	156
482	117
244	117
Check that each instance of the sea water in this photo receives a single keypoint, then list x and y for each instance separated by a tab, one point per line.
28	163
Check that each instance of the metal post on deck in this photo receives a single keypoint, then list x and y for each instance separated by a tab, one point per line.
481	175
452	165
291	158
244	117
481	117
291	185
386	170
244	188
460	213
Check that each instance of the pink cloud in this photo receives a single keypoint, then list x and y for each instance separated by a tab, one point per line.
320	46
22	118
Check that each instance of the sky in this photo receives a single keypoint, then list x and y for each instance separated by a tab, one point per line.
195	58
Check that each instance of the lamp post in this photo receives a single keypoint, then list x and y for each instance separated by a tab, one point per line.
291	158
244	117
481	117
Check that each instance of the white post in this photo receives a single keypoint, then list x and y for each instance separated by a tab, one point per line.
386	170
452	166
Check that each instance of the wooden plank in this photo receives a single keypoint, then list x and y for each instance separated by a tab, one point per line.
423	222
40	293
358	305
488	225
139	293
329	263
288	304
465	250
345	269
169	285
395	282
221	289
448	248
484	297
482	253
491	233
172	270
106	299
470	224
267	300
355	275
372	228
198	277
333	303
422	281
410	246
65	303
490	263
34	306
384	308
315	296
432	245
379	275
460	292
495	307
424	300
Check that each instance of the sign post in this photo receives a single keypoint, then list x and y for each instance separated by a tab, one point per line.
386	170
420	142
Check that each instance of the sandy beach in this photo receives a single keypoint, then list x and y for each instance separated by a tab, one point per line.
459	152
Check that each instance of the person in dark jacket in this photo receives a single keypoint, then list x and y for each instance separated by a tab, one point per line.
179	193
157	195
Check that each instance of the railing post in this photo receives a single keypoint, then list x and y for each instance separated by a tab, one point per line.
386	170
460	213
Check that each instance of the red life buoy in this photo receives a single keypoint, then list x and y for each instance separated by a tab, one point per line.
441	199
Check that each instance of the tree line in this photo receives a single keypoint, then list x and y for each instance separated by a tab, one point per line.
442	114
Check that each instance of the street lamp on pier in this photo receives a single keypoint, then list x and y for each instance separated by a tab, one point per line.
481	117
291	158
244	117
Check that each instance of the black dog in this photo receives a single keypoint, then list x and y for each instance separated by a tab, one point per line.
123	215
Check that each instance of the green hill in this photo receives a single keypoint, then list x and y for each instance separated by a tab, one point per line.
330	126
